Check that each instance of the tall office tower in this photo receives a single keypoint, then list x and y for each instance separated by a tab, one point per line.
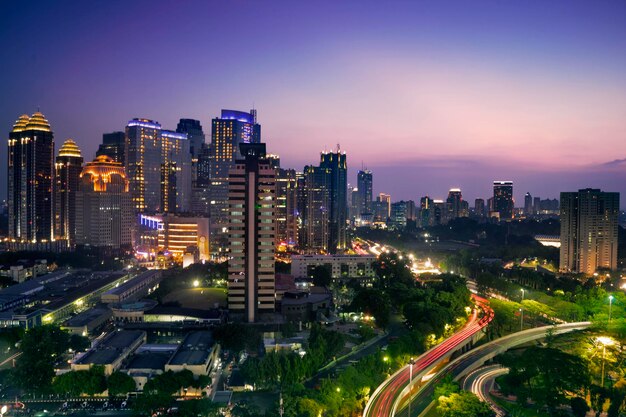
299	207
536	205
479	207
336	163
114	146
143	164
316	209
68	166
386	200
195	134
528	205
365	187
426	214
454	206
175	161
251	200
286	220
589	228
31	179
503	199
399	214
104	211
353	205
201	186
227	132
158	164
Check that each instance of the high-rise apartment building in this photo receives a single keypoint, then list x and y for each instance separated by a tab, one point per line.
455	206
589	227
176	167
31	180
286	213
336	164
114	146
251	229
364	200
426	212
536	205
68	166
528	205
503	199
384	206
104	212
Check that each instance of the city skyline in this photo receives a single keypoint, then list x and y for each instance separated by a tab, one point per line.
532	93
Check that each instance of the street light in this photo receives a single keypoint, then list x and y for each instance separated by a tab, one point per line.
196	283
604	341
411	363
610	305
522	290
3	410
521	323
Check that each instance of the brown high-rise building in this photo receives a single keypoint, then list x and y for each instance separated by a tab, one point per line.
251	233
589	225
68	166
31	180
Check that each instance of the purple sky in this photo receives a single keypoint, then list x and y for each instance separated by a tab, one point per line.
428	95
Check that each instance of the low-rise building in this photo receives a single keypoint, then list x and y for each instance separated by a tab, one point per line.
197	353
86	322
134	288
111	351
24	270
302	306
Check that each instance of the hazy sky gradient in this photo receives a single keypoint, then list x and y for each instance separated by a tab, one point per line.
429	95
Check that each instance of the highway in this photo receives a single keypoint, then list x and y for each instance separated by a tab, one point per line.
388	395
481	381
475	358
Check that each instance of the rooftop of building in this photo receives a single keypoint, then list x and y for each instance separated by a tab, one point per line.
302	297
87	316
70	148
133	282
35	122
194	350
183	311
112	347
149	360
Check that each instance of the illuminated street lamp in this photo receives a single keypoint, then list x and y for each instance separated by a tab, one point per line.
522	290
604	341
3	410
196	283
610	305
521	322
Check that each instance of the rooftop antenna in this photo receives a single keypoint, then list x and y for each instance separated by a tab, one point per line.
338	148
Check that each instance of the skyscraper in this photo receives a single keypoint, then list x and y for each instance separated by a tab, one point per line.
364	193
454	204
158	164
336	164
195	134
68	166
286	219
251	233
316	209
426	214
503	199
589	227
479	207
528	205
114	146
227	132
31	179
104	213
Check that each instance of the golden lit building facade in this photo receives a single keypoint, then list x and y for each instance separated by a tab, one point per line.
104	213
68	166
31	180
174	235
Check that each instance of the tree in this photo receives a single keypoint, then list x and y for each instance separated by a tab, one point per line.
120	384
199	407
95	381
79	343
463	404
375	303
446	387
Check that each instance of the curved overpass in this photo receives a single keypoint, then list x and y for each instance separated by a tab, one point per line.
385	399
481	381
475	358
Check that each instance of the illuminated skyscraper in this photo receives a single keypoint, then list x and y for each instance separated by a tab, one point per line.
336	163
31	179
364	195
158	163
589	228
286	217
455	206
316	209
426	212
251	237
68	166
104	213
227	132
503	199
479	207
